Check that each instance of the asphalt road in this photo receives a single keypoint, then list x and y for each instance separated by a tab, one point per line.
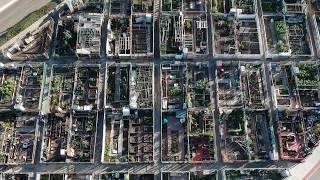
315	176
12	13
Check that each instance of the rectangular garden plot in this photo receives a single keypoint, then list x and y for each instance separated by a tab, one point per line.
141	176
173	81
272	6
29	90
116	136
198	89
9	77
294	6
66	39
276	35
224	6
258	135
307	80
17	137
247	36
192	5
187	33
284	88
228	82
129	137
82	137
62	88
142	6
117	93
119	43
56	138
174	138
86	88
171	37
236	35
141	83
299	39
141	136
174	175
252	79
224	35
234	145
291	135
171	5
129	114
200	175
201	135
311	127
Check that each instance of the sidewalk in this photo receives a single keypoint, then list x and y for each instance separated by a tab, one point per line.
307	168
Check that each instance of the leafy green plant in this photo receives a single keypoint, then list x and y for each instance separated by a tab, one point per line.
85	143
281	29
107	153
175	91
281	47
308	75
7	89
56	84
202	84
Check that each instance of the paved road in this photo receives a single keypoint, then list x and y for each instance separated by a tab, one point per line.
316	175
309	169
136	168
17	11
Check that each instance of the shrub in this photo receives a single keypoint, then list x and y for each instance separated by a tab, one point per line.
7	89
281	47
280	27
